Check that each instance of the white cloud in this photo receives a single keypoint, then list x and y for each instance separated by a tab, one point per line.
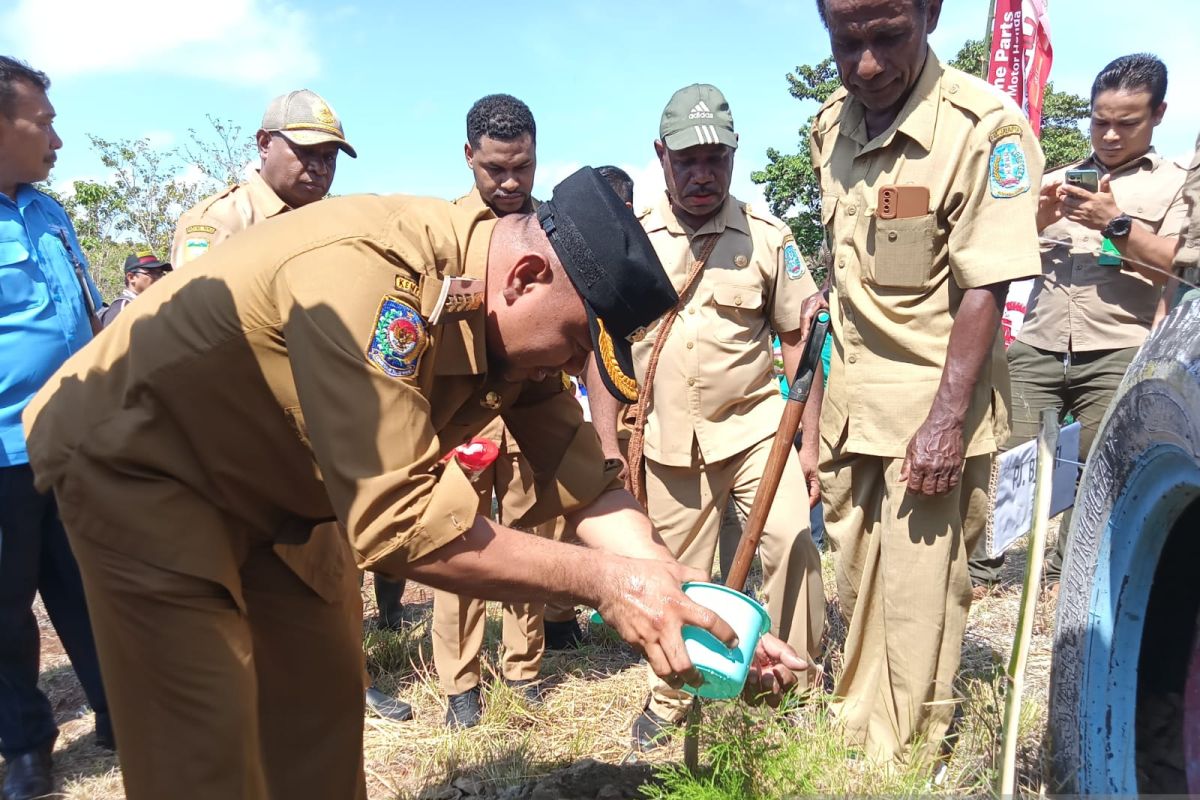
238	41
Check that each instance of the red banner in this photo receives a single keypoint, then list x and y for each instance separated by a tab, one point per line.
1019	62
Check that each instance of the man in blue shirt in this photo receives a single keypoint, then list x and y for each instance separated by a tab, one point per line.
44	318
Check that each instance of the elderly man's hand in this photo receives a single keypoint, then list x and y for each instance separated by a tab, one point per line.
773	671
644	603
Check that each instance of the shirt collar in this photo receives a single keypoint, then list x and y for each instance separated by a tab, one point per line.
263	197
1149	159
917	117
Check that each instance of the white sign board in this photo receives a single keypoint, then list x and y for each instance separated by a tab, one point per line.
1013	479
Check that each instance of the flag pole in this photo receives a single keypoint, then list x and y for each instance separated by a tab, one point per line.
987	40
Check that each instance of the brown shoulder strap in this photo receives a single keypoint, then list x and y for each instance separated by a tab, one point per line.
637	438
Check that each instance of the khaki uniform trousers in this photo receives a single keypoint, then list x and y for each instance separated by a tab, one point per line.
458	620
901	566
686	505
242	684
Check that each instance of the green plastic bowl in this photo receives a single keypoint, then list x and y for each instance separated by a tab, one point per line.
724	668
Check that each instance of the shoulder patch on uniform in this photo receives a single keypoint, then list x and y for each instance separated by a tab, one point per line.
1002	131
1008	174
200	229
399	339
408	286
793	264
193	248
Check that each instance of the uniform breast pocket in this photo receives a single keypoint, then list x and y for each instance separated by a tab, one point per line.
1151	211
903	257
739	312
19	284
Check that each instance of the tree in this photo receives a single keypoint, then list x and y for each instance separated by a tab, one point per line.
790	184
222	158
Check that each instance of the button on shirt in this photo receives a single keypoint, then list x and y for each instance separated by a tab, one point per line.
714	383
1079	306
43	319
898	283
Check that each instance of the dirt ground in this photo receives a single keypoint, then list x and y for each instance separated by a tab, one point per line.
577	745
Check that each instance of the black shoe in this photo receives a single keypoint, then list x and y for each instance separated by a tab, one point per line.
650	731
529	690
464	710
105	738
28	776
387	707
563	635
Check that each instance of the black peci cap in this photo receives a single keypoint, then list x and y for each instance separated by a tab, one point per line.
613	266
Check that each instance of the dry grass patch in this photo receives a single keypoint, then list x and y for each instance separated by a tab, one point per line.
598	691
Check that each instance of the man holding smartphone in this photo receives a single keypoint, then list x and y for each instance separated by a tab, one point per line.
1104	222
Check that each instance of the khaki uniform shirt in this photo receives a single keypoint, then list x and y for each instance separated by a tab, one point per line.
1078	305
473	201
308	384
1188	256
216	218
714	384
897	283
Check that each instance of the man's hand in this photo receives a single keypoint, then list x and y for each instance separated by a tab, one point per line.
815	302
809	457
1089	210
645	604
934	461
773	671
1050	207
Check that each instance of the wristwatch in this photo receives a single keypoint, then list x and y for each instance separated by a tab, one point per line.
1118	226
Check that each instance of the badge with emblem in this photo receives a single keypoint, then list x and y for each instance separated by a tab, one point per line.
1008	175
323	113
194	248
399	339
793	264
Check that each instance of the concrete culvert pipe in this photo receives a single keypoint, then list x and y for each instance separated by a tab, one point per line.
1126	653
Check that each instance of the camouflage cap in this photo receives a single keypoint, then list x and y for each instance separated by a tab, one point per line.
697	114
304	118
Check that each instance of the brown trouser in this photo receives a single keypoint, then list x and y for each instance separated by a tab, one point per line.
686	504
232	680
458	620
901	565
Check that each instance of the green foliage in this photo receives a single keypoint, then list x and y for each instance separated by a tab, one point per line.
791	186
222	158
798	751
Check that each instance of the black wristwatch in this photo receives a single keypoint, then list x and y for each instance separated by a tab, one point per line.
1118	226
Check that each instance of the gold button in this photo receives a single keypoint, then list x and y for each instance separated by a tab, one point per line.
491	400
954	88
691	311
742	261
691	381
737	301
853	359
852	210
893	236
691	345
841	262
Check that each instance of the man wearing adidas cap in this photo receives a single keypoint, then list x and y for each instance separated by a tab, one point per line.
298	145
321	366
714	405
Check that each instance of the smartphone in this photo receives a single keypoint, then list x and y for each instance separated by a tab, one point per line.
1088	179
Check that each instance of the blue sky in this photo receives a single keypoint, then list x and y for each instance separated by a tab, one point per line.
402	75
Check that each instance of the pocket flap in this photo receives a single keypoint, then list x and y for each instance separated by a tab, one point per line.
734	296
828	206
13	253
